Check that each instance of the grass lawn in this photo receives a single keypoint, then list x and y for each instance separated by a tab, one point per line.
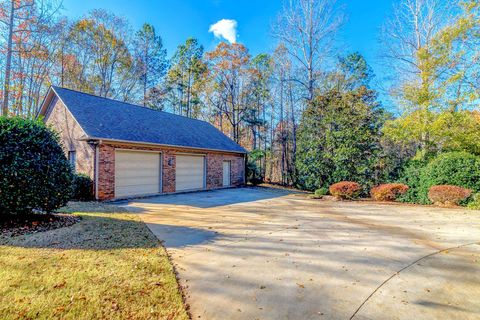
108	265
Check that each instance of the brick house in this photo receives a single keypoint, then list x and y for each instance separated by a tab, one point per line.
131	151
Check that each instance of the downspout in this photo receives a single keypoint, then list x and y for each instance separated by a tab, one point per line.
245	159
96	170
95	145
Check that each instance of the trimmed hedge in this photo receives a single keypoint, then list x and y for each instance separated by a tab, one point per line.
34	172
453	168
388	191
82	187
345	190
448	195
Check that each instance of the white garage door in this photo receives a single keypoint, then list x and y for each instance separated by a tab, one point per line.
136	173
190	172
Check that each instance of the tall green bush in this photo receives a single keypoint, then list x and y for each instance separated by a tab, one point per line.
410	176
82	187
453	168
339	139
253	171
34	172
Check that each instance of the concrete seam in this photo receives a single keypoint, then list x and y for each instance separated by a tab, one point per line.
404	268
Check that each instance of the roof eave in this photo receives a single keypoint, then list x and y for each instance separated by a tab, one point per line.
87	138
45	102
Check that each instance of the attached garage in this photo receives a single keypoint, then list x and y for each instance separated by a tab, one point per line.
189	172
130	151
137	173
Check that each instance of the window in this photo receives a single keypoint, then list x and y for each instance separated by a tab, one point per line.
72	158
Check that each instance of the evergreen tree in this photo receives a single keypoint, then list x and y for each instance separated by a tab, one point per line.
186	78
339	133
152	60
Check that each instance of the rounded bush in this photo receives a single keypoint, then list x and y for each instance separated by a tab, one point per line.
321	192
475	203
453	168
345	190
448	195
82	187
34	173
388	191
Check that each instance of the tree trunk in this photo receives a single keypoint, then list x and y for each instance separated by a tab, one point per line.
8	64
293	172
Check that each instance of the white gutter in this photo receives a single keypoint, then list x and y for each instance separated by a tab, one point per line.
86	138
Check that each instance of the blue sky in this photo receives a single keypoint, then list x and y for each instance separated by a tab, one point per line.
176	20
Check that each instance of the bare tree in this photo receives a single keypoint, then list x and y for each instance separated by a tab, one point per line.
307	28
16	18
26	27
231	71
411	28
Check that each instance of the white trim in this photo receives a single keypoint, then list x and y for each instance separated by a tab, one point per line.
190	154
205	172
39	111
95	170
136	150
161	172
159	145
49	110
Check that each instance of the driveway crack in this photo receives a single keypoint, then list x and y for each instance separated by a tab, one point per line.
406	267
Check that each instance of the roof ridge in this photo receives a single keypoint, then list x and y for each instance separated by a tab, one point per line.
130	104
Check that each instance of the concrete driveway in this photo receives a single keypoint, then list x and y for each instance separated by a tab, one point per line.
258	253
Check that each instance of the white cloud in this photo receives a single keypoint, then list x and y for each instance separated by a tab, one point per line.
226	29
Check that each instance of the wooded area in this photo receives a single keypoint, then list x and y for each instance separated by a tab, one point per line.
307	112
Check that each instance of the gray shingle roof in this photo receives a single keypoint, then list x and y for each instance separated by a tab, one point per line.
110	119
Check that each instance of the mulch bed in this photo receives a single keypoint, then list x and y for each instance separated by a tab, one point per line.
16	225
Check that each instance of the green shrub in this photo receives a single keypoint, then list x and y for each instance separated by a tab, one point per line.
82	187
453	168
474	204
410	176
321	192
345	190
253	172
34	172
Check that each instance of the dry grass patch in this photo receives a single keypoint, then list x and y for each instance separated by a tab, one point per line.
107	266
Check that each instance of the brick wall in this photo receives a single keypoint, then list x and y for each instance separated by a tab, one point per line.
215	170
106	172
214	162
69	131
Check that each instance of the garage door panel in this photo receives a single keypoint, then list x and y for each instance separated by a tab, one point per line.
141	178
135	190
136	173
146	163
190	172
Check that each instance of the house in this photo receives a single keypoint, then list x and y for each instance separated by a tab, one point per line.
130	151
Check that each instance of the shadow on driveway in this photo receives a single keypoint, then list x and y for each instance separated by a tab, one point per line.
215	198
107	232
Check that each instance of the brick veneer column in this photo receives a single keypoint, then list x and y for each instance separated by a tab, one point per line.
168	171
214	171
106	172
